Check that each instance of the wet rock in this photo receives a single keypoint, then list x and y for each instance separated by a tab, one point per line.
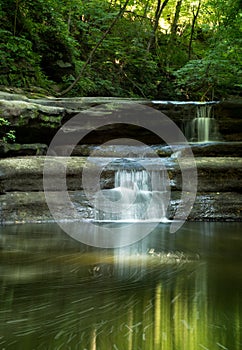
214	174
21	207
213	206
16	150
210	149
228	116
217	149
37	120
26	173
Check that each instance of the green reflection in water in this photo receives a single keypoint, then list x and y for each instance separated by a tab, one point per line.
58	294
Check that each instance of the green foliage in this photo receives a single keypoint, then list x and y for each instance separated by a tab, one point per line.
46	43
6	134
19	64
219	72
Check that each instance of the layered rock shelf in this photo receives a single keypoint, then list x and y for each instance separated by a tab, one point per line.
36	121
22	196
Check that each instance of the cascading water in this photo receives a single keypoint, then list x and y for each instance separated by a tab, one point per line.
138	195
203	123
203	128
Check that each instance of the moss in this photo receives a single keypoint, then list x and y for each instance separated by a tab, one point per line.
50	121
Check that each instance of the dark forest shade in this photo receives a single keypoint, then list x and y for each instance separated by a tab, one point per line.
171	49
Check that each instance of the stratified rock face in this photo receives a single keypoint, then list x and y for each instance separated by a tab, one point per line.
17	150
37	120
26	174
228	115
22	195
221	174
210	149
21	207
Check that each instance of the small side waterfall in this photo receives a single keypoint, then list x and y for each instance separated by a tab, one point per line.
203	124
138	195
203	128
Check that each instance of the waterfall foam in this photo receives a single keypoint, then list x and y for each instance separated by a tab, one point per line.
203	128
204	123
138	195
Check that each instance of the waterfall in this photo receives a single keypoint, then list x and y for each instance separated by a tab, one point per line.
203	128
204	123
138	195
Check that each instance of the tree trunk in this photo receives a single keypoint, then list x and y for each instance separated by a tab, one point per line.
195	15
172	39
146	8
160	7
15	18
122	10
176	18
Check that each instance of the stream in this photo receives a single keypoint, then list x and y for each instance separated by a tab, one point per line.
179	291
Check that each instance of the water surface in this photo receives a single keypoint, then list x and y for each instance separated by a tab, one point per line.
178	291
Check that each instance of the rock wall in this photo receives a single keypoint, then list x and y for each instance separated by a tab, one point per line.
36	121
22	196
228	115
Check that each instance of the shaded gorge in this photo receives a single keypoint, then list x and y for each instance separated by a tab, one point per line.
179	291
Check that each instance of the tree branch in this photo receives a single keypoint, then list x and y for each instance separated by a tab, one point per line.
160	7
195	15
121	12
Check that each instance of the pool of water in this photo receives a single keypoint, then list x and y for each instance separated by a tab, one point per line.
178	291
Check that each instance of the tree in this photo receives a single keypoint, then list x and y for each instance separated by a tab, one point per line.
218	72
120	13
159	9
195	13
133	48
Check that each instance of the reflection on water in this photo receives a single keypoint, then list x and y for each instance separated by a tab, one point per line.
166	292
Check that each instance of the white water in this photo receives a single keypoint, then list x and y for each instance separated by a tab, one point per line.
204	123
138	195
203	128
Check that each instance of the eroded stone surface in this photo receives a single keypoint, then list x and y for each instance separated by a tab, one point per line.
37	120
21	207
26	173
219	189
